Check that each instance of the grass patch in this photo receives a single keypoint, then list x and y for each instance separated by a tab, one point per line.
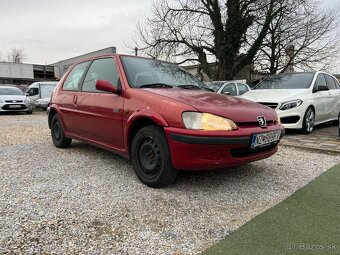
308	222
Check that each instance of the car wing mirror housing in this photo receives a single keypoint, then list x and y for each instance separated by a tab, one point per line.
107	86
322	88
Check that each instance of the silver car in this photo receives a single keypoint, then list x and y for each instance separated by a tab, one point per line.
13	99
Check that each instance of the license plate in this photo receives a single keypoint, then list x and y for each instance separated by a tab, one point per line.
14	106
263	139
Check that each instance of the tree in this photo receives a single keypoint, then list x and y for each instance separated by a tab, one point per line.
300	36
207	31
16	55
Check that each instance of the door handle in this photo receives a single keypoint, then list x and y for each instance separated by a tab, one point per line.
75	99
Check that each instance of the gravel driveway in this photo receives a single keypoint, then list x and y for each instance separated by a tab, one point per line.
87	200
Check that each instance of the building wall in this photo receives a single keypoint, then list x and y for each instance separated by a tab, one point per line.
14	70
61	67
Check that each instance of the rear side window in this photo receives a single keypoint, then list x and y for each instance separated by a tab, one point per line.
330	82
100	69
73	79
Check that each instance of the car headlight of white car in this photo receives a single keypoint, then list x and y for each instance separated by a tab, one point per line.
291	104
207	121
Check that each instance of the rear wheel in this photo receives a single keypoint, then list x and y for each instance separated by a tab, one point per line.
308	121
58	137
151	157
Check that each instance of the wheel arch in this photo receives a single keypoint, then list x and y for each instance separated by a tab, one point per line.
138	121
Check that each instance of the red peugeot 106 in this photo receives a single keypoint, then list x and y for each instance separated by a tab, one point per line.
159	116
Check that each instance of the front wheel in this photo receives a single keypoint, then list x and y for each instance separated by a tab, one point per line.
308	121
151	158
58	137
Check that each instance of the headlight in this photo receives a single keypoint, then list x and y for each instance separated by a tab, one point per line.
278	119
27	100
206	121
291	104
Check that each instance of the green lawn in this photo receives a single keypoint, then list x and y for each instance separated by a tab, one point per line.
308	222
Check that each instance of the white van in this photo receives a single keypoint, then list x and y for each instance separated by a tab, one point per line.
40	93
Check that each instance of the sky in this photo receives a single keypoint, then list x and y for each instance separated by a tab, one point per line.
50	31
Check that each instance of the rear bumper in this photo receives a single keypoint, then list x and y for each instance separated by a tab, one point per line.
212	150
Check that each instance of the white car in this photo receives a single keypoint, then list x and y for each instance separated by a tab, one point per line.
232	88
13	99
302	100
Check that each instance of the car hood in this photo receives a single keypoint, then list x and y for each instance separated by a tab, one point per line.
13	97
237	109
274	95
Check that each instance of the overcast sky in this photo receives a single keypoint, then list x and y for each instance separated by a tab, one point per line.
50	31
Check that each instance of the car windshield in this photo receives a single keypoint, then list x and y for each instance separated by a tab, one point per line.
215	85
145	73
287	81
11	91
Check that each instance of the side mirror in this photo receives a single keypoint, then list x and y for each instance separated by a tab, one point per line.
226	93
27	94
106	86
323	88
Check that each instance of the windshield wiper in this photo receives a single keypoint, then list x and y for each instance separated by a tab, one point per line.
156	85
189	86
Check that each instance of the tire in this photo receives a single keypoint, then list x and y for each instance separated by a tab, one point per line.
151	158
308	121
29	112
57	133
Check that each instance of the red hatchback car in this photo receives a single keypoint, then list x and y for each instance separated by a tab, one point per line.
160	117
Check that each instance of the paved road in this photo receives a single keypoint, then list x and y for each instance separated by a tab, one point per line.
324	137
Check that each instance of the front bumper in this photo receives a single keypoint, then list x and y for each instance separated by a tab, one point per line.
15	107
200	150
293	118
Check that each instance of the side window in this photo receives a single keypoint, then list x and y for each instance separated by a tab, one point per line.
73	79
330	82
336	83
33	91
230	88
242	88
101	69
320	81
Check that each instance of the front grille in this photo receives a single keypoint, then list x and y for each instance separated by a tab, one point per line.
245	152
253	124
271	105
13	101
8	107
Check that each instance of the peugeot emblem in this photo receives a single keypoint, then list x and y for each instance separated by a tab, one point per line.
262	121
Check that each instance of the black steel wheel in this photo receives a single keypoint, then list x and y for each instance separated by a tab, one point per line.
57	133
151	158
308	121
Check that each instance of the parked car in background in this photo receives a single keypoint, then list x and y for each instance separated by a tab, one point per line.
160	116
40	93
13	99
233	88
302	100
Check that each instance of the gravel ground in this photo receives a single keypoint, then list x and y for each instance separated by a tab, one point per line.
87	200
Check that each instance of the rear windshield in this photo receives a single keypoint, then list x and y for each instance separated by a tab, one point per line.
287	81
10	91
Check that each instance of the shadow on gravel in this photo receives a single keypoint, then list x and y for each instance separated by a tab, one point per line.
189	179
